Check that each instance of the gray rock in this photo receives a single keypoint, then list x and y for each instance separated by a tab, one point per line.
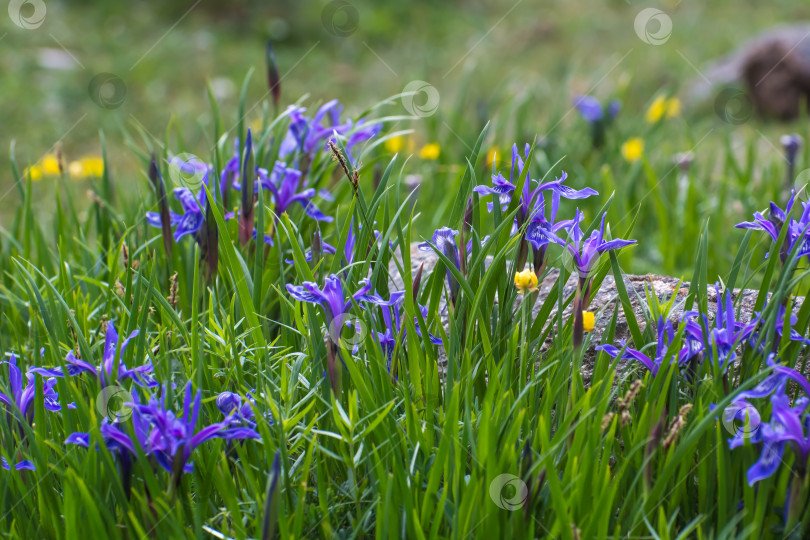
603	303
774	68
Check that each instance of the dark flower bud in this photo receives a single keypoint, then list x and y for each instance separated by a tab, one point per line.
248	177
163	207
228	402
273	79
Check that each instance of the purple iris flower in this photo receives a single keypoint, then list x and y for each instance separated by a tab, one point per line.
586	252
726	335
392	310
779	327
104	371
797	230
331	298
349	248
789	425
531	200
308	135
540	231
444	241
665	336
593	113
333	301
229	177
22	397
230	404
283	182
172	437
194	207
326	248
116	439
20	465
591	109
238	413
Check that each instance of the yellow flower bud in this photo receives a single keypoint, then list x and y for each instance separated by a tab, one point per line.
588	320
493	157
525	281
657	110
633	149
34	172
395	144
430	151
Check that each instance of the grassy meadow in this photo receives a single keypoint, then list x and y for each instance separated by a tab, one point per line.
200	331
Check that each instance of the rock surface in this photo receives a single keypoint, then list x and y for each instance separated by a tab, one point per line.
603	302
774	67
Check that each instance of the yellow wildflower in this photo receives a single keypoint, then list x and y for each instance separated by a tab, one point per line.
85	167
662	107
50	164
493	156
525	281
34	172
588	320
673	107
430	151
257	126
632	149
395	144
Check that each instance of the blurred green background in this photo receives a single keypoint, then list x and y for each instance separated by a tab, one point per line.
515	63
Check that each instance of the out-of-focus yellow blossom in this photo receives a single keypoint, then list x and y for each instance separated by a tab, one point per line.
673	107
85	167
662	107
257	126
430	151
47	166
493	156
395	144
632	149
50	164
588	320
35	172
399	143
525	281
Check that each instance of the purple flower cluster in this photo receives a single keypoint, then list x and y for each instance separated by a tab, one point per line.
108	371
789	424
662	349
336	307
308	135
798	233
19	401
165	435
